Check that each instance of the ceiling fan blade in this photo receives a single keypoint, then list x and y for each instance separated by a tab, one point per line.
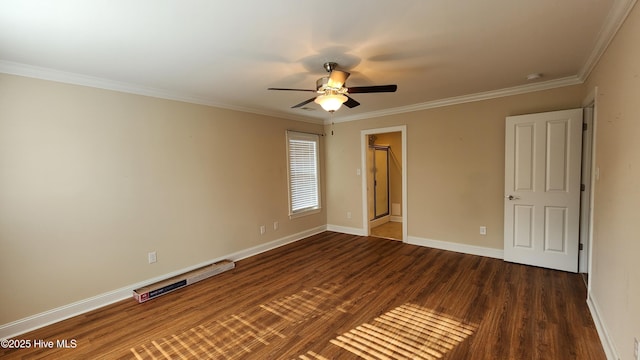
285	89
337	78
303	103
372	89
350	103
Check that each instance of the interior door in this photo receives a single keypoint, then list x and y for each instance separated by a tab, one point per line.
542	189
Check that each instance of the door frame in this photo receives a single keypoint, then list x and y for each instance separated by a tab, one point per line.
591	99
364	145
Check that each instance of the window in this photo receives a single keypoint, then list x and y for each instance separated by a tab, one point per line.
303	173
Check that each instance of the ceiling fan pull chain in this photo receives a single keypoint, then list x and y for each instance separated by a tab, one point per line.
331	118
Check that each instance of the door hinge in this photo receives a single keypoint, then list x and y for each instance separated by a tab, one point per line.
584	126
582	187
581	246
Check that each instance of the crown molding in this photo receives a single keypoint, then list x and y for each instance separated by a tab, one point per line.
19	69
616	17
42	73
493	94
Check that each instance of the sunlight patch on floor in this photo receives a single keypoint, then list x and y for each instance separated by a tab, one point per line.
237	335
406	332
310	355
304	305
229	338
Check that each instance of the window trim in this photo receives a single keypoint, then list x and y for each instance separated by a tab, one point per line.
302	136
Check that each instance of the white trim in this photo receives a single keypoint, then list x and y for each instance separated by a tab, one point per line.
603	333
585	193
258	249
592	98
13	68
616	17
31	71
292	135
37	321
395	218
487	95
346	230
79	307
457	247
618	13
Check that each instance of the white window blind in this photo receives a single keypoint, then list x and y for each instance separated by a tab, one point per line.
303	171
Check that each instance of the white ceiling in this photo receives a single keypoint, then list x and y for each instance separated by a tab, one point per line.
227	53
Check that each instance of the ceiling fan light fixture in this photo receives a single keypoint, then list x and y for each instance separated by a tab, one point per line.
331	102
332	92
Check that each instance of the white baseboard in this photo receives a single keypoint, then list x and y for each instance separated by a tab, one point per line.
243	254
347	230
457	247
437	244
605	339
394	218
36	321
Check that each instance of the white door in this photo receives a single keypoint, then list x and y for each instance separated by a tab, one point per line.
542	189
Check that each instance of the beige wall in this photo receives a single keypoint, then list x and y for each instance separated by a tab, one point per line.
92	180
455	166
616	239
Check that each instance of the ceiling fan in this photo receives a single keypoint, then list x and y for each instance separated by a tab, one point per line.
334	93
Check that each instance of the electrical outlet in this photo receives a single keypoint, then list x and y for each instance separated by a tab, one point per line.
636	348
348	214
263	229
153	257
483	230
275	225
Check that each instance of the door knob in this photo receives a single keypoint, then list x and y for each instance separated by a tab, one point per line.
511	197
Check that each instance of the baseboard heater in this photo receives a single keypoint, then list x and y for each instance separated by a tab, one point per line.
154	290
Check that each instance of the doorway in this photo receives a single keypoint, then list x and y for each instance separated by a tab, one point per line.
384	182
380	171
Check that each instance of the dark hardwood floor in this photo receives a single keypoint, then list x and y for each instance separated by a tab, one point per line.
338	296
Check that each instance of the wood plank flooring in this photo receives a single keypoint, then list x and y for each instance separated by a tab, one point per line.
338	296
